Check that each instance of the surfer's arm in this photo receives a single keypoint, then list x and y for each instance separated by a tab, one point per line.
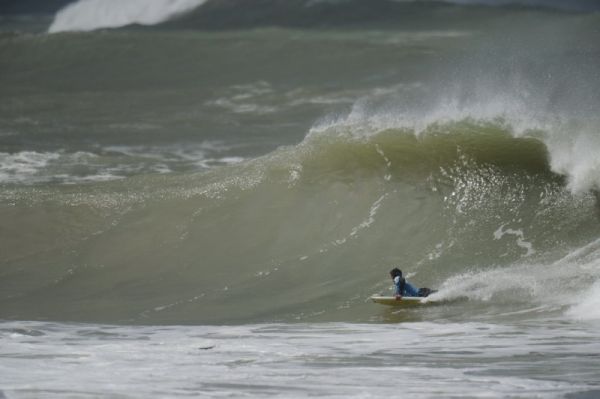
398	287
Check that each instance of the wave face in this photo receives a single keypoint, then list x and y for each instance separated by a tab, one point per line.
308	232
241	14
578	5
87	15
190	172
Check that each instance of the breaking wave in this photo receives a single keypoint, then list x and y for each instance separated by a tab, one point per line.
306	232
87	15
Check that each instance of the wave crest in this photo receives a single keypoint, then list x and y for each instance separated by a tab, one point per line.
87	15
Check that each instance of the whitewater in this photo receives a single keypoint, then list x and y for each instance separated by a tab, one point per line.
89	15
198	199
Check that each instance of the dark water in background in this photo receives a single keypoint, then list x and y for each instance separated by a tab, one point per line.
270	161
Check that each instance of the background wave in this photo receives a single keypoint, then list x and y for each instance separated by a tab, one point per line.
86	15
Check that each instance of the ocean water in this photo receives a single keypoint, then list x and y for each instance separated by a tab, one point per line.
197	198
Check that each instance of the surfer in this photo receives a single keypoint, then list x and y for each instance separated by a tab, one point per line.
404	288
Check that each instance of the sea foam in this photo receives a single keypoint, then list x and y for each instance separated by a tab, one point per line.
570	281
589	307
23	165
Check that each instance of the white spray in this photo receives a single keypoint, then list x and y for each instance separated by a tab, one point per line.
88	15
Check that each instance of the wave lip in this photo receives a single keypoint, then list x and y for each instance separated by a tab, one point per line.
88	15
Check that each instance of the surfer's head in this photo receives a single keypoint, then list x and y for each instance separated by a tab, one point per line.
395	272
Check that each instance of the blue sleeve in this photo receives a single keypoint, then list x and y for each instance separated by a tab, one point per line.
410	290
